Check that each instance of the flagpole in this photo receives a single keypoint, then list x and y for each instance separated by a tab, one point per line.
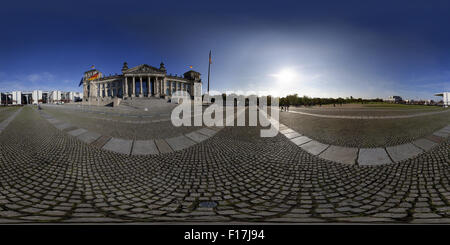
209	68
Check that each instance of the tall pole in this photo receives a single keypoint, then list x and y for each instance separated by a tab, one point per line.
209	68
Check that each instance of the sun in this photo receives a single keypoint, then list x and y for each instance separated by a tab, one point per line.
286	76
285	81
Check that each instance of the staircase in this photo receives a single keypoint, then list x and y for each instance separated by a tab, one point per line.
147	102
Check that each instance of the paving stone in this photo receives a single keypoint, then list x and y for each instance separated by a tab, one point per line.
144	147
373	156
300	140
446	128
207	132
163	147
292	135
402	152
119	145
435	138
340	154
287	131
88	137
77	132
54	121
180	142
441	133
63	126
101	141
424	144
197	137
314	147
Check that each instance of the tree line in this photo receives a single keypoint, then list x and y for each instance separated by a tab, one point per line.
295	100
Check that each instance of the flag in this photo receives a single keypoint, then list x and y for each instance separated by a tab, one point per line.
95	76
210	57
81	82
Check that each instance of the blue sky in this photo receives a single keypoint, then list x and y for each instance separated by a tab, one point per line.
317	48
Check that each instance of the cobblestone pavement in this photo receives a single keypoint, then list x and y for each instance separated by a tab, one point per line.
156	127
235	176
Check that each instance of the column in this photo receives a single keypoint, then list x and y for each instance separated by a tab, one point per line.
140	83
154	86
157	86
133	93
149	91
125	87
170	87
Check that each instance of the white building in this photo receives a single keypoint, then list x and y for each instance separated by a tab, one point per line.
55	96
394	99
37	97
16	97
445	98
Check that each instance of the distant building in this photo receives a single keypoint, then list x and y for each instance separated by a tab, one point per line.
38	97
394	99
445	98
16	97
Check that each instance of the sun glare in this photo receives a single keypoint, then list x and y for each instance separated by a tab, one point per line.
287	79
286	76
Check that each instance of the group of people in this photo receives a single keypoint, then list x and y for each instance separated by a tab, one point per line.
284	107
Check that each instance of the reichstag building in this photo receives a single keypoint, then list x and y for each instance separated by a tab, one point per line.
138	82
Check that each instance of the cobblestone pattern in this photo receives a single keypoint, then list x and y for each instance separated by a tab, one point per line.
135	147
156	128
367	156
49	176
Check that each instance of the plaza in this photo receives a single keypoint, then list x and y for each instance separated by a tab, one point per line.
92	164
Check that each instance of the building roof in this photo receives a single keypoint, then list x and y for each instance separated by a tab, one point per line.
441	94
144	68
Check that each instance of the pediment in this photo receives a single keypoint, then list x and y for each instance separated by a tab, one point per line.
143	69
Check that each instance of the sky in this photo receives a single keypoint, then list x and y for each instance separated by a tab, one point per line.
368	49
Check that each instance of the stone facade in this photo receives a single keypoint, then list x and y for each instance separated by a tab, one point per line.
139	81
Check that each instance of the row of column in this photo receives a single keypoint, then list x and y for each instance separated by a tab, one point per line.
102	89
159	87
179	86
157	83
